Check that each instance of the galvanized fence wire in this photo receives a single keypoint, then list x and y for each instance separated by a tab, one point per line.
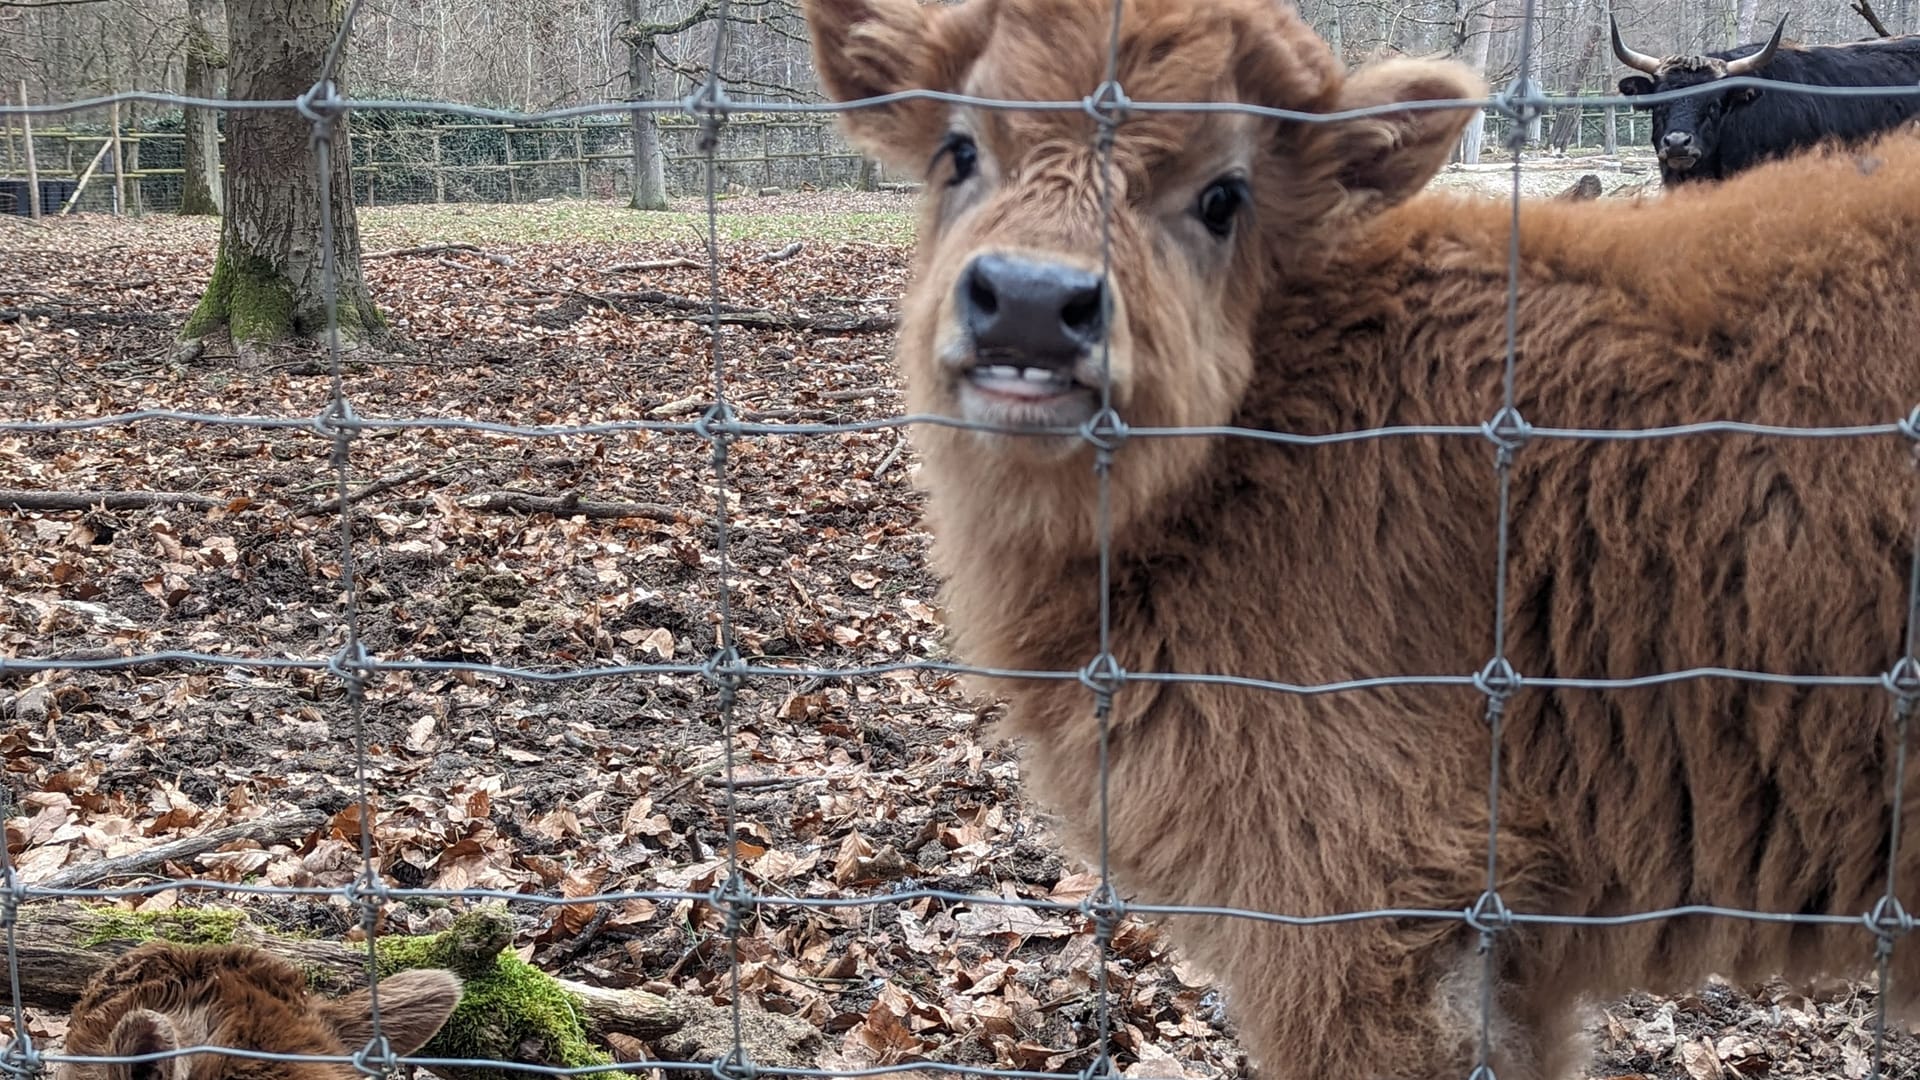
726	672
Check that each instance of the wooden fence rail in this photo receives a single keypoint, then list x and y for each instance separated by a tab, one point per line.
464	162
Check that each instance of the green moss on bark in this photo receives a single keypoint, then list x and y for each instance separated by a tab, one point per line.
184	926
507	1003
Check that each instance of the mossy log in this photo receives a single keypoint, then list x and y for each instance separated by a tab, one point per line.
510	1010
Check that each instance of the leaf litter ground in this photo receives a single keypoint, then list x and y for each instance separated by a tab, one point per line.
561	553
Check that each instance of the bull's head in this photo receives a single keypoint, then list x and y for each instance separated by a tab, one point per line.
1011	321
1686	130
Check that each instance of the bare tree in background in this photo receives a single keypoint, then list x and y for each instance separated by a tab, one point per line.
267	280
200	191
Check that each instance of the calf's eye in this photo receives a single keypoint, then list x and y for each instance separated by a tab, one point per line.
962	153
1220	203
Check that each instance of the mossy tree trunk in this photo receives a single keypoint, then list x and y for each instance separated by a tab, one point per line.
267	282
200	190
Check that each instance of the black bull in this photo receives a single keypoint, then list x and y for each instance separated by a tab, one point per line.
1714	135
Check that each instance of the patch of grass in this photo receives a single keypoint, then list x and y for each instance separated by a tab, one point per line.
566	221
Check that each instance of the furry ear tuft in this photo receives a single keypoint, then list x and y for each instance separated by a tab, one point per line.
143	1031
1384	159
871	48
413	1006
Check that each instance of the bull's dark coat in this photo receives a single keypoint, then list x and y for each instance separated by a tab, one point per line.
1735	130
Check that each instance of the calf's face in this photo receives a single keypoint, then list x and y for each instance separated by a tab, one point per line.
1045	270
162	997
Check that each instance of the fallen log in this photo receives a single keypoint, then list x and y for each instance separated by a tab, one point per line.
111	500
62	944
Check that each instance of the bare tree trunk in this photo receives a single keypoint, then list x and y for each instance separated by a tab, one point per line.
200	155
1566	126
649	165
267	281
1745	15
1478	35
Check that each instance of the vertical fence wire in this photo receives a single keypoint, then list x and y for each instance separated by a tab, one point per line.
726	671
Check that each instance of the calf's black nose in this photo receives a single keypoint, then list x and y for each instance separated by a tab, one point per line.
1677	140
1044	310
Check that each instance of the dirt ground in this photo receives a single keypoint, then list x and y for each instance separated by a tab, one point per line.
846	786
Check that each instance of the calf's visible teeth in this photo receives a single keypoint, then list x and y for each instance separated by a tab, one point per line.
1034	374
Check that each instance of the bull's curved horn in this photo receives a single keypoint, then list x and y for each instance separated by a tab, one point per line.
1747	65
1638	61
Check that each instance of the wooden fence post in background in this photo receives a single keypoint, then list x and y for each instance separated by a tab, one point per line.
13	161
33	172
119	167
439	169
580	155
506	144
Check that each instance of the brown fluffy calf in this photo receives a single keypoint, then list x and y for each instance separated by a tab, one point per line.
1292	277
162	997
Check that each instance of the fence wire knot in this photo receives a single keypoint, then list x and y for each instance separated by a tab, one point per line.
13	893
717	425
1109	106
1104	431
340	424
321	105
1104	908
1889	920
711	105
1489	914
376	1058
734	899
1508	431
738	1064
368	892
20	1059
1482	1071
1104	676
1903	682
354	666
1499	681
1910	426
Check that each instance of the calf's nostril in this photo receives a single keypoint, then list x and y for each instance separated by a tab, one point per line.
1082	313
980	293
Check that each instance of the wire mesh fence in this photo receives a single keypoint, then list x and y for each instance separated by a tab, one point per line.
1505	433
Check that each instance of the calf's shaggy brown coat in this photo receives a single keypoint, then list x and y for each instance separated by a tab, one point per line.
161	996
1343	298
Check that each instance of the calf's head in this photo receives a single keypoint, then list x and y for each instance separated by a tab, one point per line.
1013	320
162	997
1686	131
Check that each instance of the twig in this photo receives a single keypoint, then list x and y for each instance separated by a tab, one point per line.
1865	10
570	505
266	830
442	249
856	393
893	455
784	253
332	506
676	263
111	500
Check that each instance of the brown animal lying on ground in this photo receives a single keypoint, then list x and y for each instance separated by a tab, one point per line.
1292	277
161	997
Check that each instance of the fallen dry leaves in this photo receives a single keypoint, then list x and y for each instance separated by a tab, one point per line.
866	787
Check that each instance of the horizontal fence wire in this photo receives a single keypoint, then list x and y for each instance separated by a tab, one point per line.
1505	433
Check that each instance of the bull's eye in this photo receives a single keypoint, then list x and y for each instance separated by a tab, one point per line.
1219	203
965	156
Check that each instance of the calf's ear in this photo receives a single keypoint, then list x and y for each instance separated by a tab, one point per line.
1388	156
1635	85
871	48
413	1006
143	1031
